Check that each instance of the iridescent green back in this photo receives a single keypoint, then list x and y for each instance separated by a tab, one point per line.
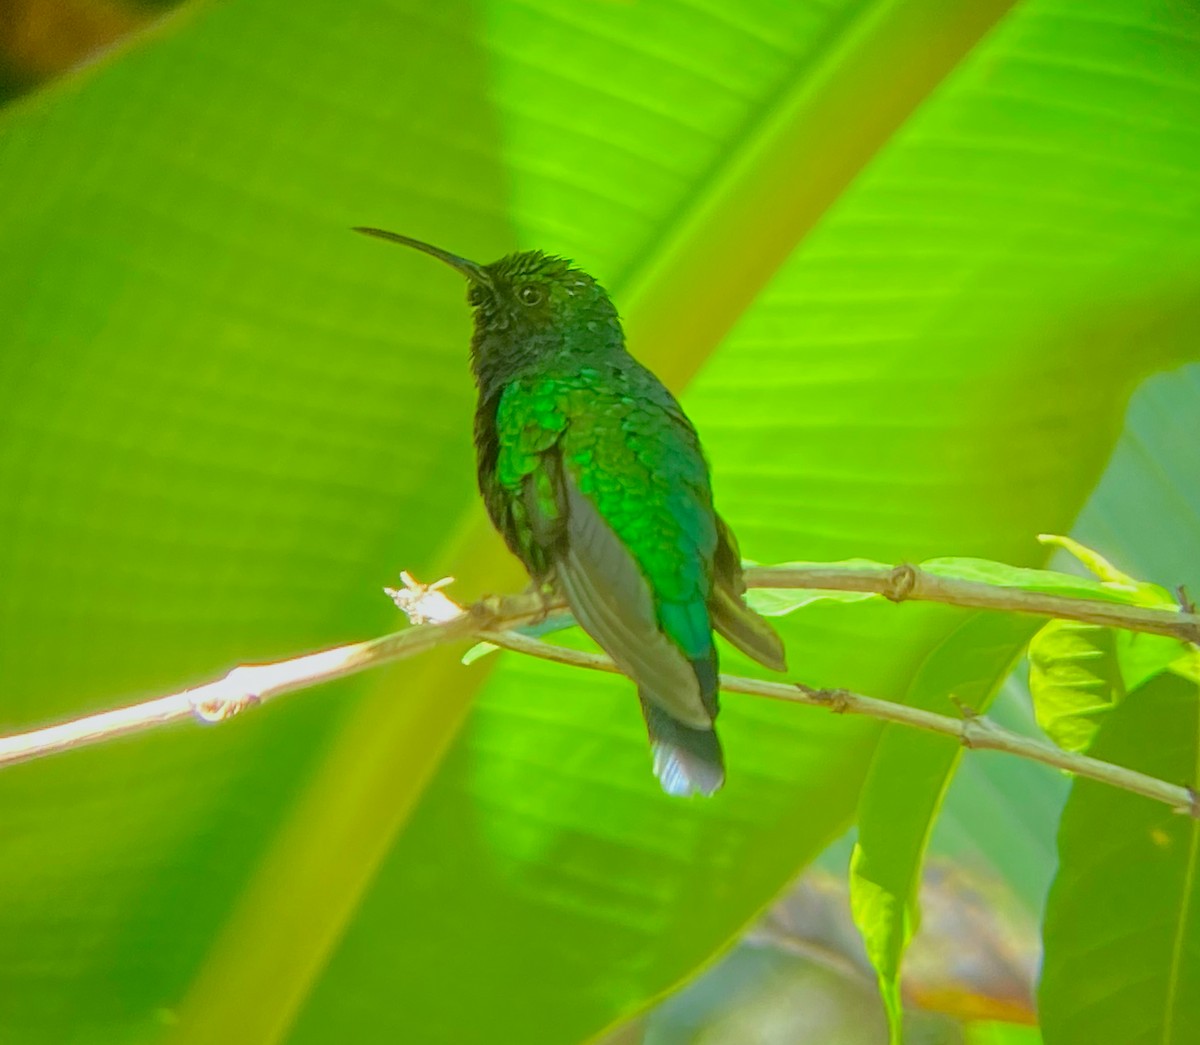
629	448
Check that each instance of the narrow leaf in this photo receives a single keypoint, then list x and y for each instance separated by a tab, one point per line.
781	601
1096	563
536	630
905	786
1044	582
778	602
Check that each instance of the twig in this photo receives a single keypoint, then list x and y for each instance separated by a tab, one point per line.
257	683
910	583
440	621
971	730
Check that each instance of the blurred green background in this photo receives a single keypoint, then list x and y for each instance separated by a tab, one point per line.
906	264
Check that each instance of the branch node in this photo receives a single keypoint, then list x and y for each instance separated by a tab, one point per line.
1185	602
423	603
836	700
215	707
972	722
900	582
545	599
486	611
1193	807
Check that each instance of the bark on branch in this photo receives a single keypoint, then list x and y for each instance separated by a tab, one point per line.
438	620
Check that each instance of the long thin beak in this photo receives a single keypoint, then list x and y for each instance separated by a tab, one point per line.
475	272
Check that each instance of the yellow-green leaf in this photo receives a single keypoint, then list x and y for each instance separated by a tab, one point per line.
894	256
904	788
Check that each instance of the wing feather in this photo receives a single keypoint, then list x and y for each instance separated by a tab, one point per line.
612	601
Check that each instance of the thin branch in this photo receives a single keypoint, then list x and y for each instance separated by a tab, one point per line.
257	683
971	730
905	583
438	620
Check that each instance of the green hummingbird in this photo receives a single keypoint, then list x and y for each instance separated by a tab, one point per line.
594	476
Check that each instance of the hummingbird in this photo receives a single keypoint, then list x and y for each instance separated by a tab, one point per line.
595	478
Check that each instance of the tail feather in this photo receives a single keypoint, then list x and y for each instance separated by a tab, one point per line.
732	618
613	601
746	629
687	761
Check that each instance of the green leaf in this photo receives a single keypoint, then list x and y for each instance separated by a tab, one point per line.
905	785
1141	657
1002	1034
779	602
1122	930
1154	594
537	630
1188	665
1002	812
1075	680
1079	672
1096	563
1044	582
894	271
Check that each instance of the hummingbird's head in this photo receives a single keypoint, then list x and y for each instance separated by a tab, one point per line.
531	309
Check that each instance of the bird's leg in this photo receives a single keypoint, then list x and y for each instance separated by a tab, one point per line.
552	616
546	590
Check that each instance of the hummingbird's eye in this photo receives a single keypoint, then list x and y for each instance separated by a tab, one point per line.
530	294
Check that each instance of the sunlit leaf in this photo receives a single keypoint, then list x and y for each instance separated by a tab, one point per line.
896	273
1075	680
1044	582
1188	665
905	786
536	630
1002	812
1122	941
1079	672
1103	570
781	601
